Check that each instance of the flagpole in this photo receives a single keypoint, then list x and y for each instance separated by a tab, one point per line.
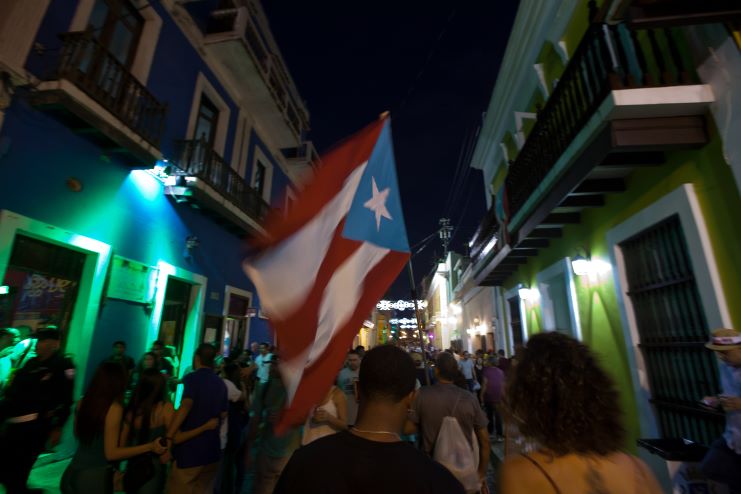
419	321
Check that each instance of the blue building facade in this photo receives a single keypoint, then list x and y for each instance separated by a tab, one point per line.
141	143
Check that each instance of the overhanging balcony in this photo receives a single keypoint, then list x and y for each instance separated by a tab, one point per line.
236	38
626	97
663	13
205	181
96	96
303	159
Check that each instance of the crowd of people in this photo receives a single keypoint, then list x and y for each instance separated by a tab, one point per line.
395	420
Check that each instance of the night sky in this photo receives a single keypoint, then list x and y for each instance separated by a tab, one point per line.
432	65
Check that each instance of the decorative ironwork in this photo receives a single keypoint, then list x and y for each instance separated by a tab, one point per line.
245	22
673	330
608	58
198	159
91	67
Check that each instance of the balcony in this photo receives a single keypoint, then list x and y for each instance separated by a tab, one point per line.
236	37
663	13
626	97
205	181
96	96
302	159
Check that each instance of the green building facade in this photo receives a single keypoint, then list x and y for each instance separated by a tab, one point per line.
612	177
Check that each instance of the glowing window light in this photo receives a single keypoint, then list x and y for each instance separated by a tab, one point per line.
4	290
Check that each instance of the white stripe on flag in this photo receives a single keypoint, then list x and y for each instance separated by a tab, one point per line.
339	300
285	274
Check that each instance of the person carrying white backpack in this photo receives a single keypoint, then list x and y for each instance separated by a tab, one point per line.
453	426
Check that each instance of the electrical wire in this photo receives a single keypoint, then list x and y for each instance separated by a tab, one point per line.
456	176
459	186
428	59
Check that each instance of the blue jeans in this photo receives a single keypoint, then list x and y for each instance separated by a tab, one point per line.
722	464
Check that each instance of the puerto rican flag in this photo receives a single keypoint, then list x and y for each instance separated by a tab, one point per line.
321	269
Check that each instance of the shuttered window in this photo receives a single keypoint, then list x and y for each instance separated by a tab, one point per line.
673	331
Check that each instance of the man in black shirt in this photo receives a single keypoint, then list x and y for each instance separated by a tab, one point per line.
370	457
36	405
119	356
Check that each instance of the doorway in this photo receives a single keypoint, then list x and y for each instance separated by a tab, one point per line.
175	313
515	321
236	320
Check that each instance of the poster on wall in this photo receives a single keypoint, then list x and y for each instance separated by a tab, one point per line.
131	280
210	336
37	299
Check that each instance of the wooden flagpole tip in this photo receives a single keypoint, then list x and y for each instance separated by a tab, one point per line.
384	115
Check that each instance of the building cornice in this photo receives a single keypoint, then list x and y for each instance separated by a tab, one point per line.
536	21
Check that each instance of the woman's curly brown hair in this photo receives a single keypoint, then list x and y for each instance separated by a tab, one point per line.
563	399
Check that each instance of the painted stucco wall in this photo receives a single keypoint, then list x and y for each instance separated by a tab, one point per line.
597	301
126	209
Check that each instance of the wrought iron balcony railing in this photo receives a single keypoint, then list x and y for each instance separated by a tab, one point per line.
609	57
243	21
198	159
91	67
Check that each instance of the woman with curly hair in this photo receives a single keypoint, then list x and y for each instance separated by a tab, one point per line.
564	401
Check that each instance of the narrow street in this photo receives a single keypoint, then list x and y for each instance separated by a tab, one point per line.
276	241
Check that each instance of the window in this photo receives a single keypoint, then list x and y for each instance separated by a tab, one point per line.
206	122
672	330
43	281
557	299
117	25
259	181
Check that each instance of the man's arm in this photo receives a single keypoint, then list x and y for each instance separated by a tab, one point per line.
484	384
185	406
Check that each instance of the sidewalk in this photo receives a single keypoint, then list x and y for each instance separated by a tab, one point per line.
46	476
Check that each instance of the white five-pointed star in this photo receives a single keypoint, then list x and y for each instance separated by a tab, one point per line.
377	204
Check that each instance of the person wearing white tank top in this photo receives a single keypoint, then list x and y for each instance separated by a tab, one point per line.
328	418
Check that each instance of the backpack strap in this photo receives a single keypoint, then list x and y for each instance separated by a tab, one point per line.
542	470
455	407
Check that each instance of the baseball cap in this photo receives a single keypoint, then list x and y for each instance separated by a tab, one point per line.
724	339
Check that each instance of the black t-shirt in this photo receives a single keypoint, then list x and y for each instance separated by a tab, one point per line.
345	463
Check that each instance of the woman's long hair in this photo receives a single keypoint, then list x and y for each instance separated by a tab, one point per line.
232	372
563	399
140	365
107	386
149	392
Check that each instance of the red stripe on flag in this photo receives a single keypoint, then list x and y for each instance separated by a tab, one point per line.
320	375
336	166
297	331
